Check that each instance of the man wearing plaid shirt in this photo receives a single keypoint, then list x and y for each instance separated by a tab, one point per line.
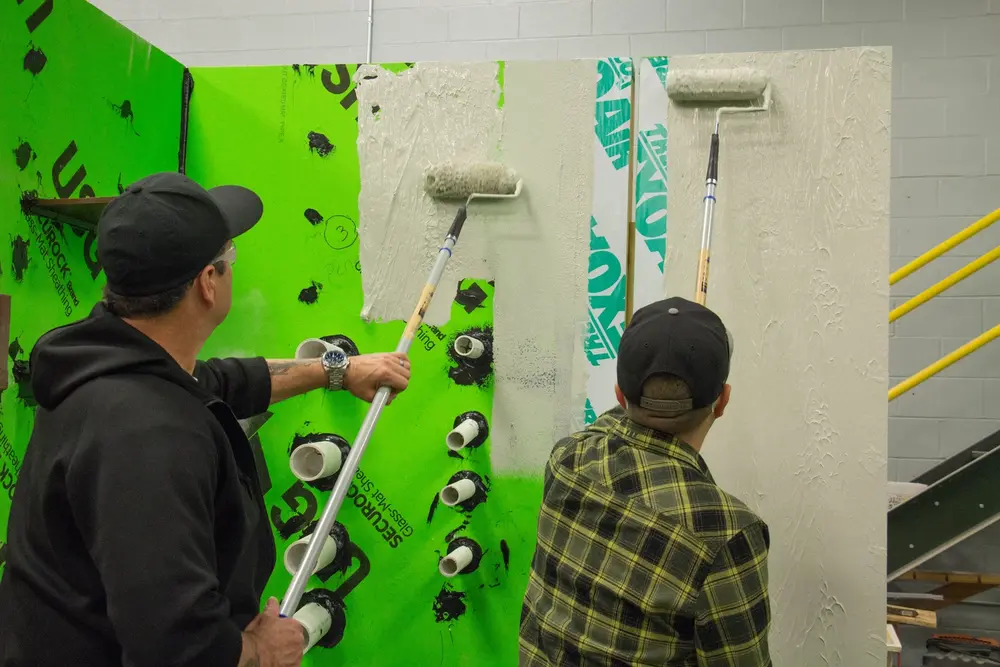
641	558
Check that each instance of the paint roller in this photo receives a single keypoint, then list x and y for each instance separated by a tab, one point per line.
717	87
465	182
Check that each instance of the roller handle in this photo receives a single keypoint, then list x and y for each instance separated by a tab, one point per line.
713	160
456	226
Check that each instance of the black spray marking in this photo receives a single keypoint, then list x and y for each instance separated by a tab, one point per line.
471	298
21	372
455	455
124	111
434	505
449	605
310	70
313	216
326	483
121	188
450	536
38	179
338	614
320	144
344	343
14	349
34	60
19	247
310	294
23	155
505	552
481	424
466	371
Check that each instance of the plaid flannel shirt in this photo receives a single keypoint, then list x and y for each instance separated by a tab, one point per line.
641	559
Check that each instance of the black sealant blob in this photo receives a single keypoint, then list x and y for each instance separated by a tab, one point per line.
481	424
465	371
121	188
455	455
23	155
344	343
21	372
313	216
326	483
471	297
320	144
19	248
482	489
477	552
505	552
310	294
34	60
338	615
449	604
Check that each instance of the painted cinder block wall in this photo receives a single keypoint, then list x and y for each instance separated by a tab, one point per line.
945	126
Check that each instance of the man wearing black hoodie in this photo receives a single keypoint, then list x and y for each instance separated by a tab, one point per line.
138	534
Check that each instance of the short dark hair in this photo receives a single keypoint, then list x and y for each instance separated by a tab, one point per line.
139	307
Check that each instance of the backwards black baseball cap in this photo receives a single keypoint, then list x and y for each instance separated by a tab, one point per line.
163	230
676	337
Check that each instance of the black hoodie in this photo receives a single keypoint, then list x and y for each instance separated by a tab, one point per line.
137	534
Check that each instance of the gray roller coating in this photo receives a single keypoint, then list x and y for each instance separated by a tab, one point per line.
716	85
458	181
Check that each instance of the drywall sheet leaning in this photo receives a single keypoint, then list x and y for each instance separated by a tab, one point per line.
606	270
536	248
650	188
85	107
800	275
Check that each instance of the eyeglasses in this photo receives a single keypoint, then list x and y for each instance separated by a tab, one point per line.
228	255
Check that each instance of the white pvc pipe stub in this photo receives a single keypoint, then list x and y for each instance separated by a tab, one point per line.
458	492
460	436
296	553
469	347
455	562
316	620
312	348
315	460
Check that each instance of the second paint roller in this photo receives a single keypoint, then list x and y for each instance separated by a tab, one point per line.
447	182
718	86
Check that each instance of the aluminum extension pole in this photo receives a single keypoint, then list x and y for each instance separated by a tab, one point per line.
289	605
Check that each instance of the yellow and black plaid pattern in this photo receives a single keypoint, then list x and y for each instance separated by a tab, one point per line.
642	559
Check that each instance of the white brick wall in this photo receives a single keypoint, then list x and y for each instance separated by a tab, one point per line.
946	124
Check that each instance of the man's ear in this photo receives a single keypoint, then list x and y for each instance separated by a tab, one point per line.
205	285
723	401
621	397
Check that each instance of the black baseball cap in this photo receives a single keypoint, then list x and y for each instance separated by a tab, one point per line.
676	337
163	230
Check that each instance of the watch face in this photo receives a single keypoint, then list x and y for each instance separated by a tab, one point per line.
335	357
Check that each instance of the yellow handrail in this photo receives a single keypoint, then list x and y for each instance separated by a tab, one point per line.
944	247
945	362
950	281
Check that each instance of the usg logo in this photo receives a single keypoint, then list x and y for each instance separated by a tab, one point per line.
651	190
606	297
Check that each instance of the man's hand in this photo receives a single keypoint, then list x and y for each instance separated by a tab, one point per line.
272	641
368	372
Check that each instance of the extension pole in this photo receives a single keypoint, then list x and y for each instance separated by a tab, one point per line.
711	180
298	585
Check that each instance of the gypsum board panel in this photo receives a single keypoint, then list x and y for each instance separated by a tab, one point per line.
947	512
964	457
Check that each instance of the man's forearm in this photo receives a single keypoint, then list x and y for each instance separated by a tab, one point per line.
291	377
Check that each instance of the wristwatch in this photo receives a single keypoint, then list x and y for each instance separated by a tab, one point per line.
335	362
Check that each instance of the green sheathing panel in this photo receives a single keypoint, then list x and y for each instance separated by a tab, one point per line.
85	106
290	133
